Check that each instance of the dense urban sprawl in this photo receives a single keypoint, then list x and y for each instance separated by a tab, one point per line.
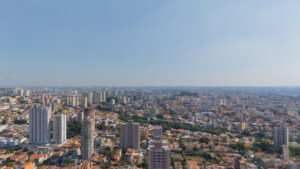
154	128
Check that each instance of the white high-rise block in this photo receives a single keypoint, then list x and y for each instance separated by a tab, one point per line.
59	128
39	124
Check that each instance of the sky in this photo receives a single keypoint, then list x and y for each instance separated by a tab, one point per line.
149	43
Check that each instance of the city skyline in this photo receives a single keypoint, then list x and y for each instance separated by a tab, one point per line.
127	128
157	43
154	84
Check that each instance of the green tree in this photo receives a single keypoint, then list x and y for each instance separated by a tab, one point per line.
101	126
181	144
105	166
258	161
207	156
246	133
73	129
69	161
294	151
173	160
260	134
195	148
238	146
109	153
21	121
142	165
203	140
10	164
286	166
4	121
264	146
9	160
102	108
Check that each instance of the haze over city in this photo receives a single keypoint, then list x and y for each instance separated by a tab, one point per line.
149	43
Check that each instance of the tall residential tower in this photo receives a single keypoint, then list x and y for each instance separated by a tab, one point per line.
59	128
87	134
130	135
39	124
281	136
158	156
72	100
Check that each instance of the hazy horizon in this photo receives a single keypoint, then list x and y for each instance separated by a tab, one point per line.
145	86
170	43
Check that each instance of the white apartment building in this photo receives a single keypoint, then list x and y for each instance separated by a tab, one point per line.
60	128
39	124
72	100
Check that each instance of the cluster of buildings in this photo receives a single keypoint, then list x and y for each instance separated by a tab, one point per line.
39	126
154	128
85	99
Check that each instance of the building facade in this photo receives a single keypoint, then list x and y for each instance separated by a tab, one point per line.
97	98
79	116
157	132
103	96
60	128
130	135
87	134
237	162
84	102
86	165
158	156
72	100
39	124
281	136
89	96
285	153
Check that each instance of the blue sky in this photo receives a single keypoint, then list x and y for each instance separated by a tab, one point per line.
157	42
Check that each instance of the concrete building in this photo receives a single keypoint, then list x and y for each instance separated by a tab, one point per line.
79	116
53	106
103	96
153	112
157	132
3	127
237	162
45	99
87	134
158	156
39	124
11	142
112	104
84	101
130	135
72	100
89	96
89	112
86	165
123	100
27	92
281	136
97	98
285	153
60	128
